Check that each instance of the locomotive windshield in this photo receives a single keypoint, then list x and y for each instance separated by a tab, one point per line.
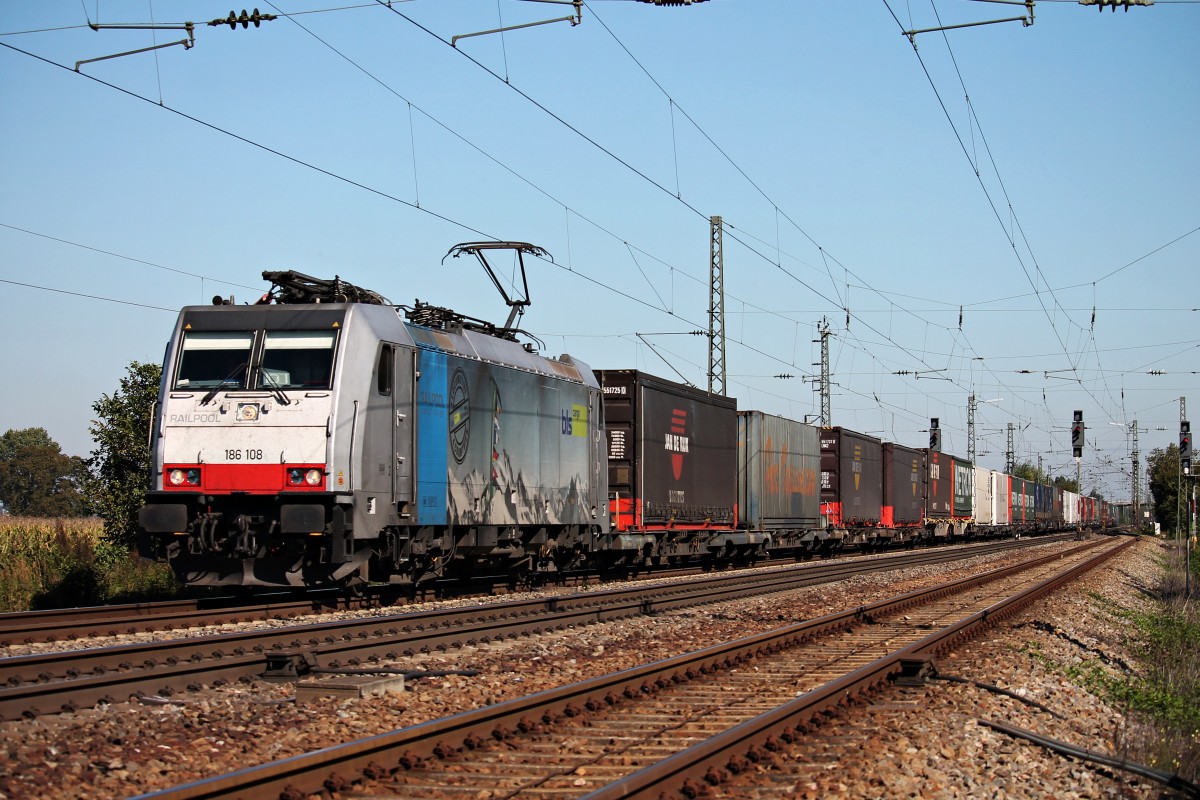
214	358
297	360
223	360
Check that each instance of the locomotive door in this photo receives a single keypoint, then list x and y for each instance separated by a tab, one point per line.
404	434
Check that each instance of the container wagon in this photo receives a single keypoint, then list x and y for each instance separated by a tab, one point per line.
950	495
852	486
672	473
903	514
779	466
991	503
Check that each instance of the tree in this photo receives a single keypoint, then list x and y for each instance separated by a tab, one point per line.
1028	472
120	464
1066	484
1162	468
36	478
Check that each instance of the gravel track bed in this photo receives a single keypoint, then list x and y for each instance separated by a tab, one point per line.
20	649
130	748
927	742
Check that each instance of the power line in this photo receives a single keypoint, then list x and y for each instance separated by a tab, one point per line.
129	258
842	304
88	296
1066	350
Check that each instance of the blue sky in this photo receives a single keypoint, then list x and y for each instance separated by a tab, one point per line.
858	180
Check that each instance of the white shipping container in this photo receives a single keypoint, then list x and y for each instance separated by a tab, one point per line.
1070	508
1000	490
985	498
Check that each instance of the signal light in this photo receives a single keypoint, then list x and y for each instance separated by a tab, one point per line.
935	435
1077	429
1185	444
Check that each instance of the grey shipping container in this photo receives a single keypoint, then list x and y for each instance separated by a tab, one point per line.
779	467
672	452
851	478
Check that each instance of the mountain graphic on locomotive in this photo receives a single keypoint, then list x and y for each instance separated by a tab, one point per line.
324	437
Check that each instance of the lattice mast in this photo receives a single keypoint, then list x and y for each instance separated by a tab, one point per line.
716	308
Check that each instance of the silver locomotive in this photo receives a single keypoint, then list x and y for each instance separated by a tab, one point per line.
325	437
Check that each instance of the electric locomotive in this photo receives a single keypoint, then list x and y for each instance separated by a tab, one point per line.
325	437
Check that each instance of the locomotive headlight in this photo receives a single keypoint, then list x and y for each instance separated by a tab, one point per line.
301	477
184	477
247	412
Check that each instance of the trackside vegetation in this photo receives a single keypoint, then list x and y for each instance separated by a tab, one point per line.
1158	693
1164	697
67	561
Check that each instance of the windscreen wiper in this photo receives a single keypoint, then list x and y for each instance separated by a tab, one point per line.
213	392
276	389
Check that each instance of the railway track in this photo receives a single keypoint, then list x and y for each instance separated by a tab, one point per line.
93	622
52	682
69	624
673	728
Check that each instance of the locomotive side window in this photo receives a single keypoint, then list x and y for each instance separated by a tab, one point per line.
383	371
214	358
297	360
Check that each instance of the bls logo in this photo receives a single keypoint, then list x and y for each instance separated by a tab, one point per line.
677	441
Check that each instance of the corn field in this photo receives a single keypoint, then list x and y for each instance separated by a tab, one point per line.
65	562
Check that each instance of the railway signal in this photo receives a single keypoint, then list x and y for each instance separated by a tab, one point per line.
1077	435
1185	445
935	435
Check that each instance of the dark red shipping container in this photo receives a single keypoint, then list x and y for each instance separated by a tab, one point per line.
851	478
672	452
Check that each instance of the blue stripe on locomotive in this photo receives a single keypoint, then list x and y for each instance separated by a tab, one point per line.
432	424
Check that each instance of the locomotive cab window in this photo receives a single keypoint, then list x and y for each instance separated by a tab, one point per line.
297	360
213	359
383	371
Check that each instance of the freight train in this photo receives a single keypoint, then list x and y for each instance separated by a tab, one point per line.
324	437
